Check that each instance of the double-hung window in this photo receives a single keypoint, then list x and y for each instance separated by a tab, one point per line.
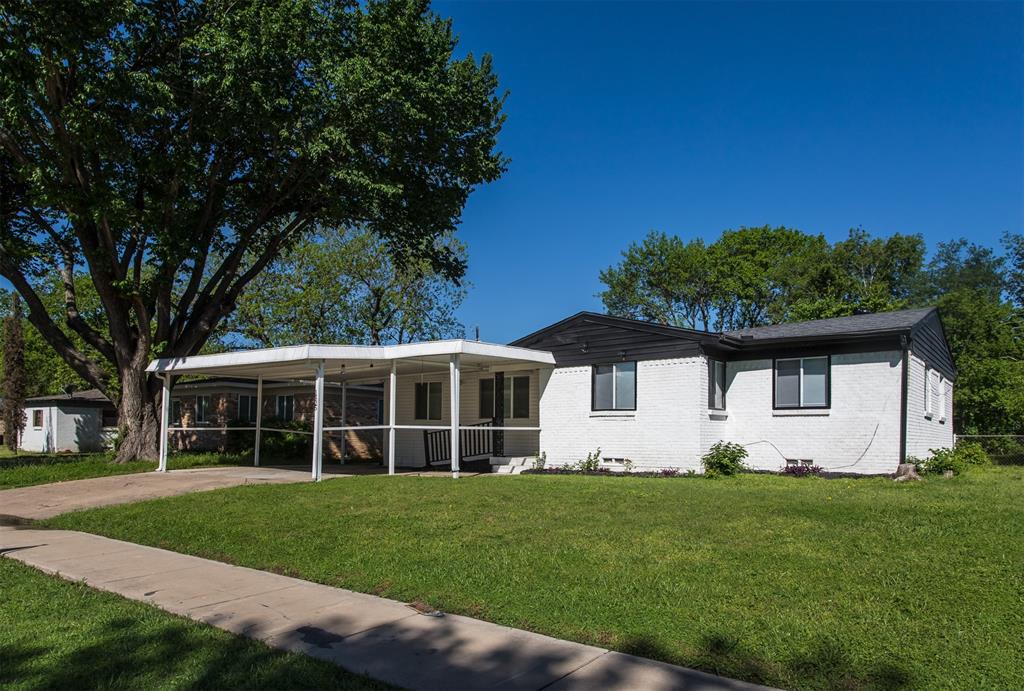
613	386
515	398
428	400
716	384
802	382
176	412
285	406
246	408
37	419
202	408
929	392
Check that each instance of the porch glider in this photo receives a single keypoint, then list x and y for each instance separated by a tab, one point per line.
348	364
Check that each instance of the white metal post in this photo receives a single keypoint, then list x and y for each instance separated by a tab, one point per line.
259	418
453	370
344	433
318	425
165	422
392	391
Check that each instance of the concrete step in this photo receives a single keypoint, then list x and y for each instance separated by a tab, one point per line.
513	460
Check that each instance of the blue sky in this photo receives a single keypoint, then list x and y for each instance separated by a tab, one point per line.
694	118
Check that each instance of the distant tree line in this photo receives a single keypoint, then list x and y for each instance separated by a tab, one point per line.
765	275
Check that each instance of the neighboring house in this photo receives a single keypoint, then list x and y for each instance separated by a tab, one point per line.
80	421
855	394
206	407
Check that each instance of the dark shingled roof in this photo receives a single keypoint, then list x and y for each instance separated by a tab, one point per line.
856	325
91	397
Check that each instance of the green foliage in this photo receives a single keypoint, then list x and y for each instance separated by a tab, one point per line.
289	445
724	458
540	461
344	287
589	464
958	459
173	151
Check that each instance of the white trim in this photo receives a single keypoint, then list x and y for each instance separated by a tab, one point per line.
798	412
392	407
453	372
327	353
165	422
259	420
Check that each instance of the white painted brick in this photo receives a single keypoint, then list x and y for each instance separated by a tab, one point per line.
924	433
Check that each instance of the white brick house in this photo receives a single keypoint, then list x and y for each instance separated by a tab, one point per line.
854	395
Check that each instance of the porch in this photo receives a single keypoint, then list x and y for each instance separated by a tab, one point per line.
444	403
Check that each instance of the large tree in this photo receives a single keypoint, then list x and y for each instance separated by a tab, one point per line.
14	380
173	149
343	287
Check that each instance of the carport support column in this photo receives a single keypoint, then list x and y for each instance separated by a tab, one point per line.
165	422
344	405
259	419
453	370
318	425
392	390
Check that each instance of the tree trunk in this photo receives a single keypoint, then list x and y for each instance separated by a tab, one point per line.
137	418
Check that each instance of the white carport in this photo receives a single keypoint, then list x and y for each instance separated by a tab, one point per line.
347	364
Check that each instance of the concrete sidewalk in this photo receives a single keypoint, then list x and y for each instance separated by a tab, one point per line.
380	638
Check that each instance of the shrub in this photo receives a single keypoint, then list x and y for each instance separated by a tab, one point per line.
958	459
801	470
590	463
669	472
540	461
724	458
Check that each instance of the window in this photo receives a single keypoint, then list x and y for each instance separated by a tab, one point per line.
942	398
802	382
176	412
928	392
716	385
517	397
202	408
285	407
487	398
37	419
247	408
613	387
428	400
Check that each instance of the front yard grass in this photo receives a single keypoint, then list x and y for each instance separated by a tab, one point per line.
60	635
28	469
804	583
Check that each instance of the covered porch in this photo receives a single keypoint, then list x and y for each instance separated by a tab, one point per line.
443	401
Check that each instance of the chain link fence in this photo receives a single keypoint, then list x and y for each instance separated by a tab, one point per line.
1003	449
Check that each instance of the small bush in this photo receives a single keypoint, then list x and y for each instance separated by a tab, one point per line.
958	459
669	472
540	461
590	463
724	458
801	470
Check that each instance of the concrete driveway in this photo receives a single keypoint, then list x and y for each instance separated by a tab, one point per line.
44	501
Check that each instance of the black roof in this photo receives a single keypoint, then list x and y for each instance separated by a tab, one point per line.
879	323
89	397
590	337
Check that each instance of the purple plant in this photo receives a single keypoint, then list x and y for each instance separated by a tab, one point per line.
669	472
802	470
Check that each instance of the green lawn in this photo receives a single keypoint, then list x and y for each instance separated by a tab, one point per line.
60	635
38	469
792	582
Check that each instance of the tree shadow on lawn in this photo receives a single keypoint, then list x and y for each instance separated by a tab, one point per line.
825	664
122	653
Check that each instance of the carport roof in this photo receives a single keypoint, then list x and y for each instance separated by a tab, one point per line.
350	361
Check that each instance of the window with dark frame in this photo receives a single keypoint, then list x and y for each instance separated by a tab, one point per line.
803	382
246	408
613	386
716	384
428	400
37	419
176	412
285	405
202	408
486	408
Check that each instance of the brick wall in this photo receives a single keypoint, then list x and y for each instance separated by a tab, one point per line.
924	431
